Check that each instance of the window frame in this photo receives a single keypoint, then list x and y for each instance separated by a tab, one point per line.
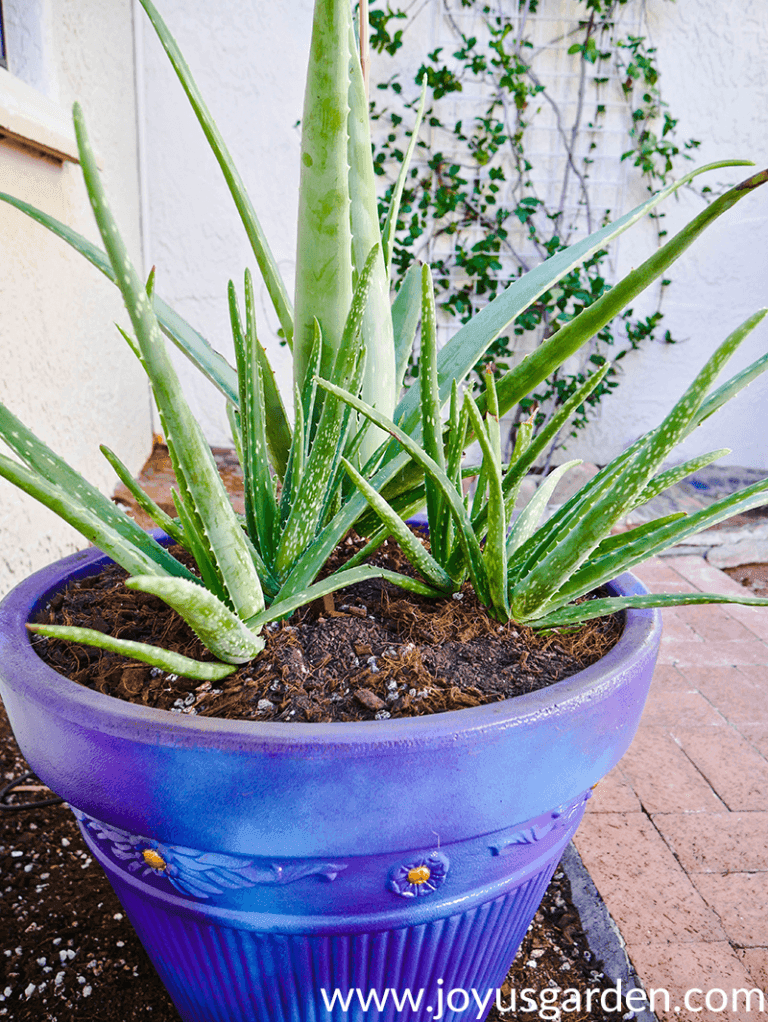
3	51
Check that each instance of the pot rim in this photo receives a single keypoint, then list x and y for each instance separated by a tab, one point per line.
119	717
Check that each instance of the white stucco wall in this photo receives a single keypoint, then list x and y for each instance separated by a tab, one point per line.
713	66
249	60
65	371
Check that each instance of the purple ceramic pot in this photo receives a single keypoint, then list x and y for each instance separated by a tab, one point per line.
265	866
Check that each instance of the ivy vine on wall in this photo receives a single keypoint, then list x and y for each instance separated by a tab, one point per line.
479	205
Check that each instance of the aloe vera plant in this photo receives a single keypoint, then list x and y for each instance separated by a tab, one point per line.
358	451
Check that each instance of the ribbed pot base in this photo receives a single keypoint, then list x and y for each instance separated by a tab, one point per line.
220	974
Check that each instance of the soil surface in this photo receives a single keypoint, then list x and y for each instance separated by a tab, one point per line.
69	954
368	652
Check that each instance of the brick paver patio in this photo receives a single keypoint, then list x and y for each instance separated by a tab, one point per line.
676	837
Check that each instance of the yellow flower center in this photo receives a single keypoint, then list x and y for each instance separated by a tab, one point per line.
153	859
419	875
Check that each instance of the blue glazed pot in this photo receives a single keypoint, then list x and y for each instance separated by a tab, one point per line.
265	866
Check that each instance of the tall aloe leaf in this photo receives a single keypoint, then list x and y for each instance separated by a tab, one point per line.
324	249
494	553
259	244
533	369
468	345
260	503
379	374
182	431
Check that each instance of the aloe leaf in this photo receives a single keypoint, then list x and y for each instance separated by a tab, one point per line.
308	503
390	224
521	462
494	554
405	508
197	543
569	338
431	422
155	656
260	503
213	365
77	514
468	345
577	613
324	248
41	459
410	544
467	537
664	480
220	631
332	584
551	572
732	387
528	519
621	556
570	513
261	250
63	480
276	426
406	310
182	432
145	502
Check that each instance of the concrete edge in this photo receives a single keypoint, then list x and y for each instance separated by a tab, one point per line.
602	933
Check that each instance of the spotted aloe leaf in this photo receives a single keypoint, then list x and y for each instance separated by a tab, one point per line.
494	553
534	593
467	538
409	543
308	502
186	443
635	546
155	656
220	631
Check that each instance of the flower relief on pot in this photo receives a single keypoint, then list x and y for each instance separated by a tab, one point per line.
558	819
199	873
420	876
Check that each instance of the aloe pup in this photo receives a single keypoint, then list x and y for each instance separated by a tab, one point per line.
358	451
